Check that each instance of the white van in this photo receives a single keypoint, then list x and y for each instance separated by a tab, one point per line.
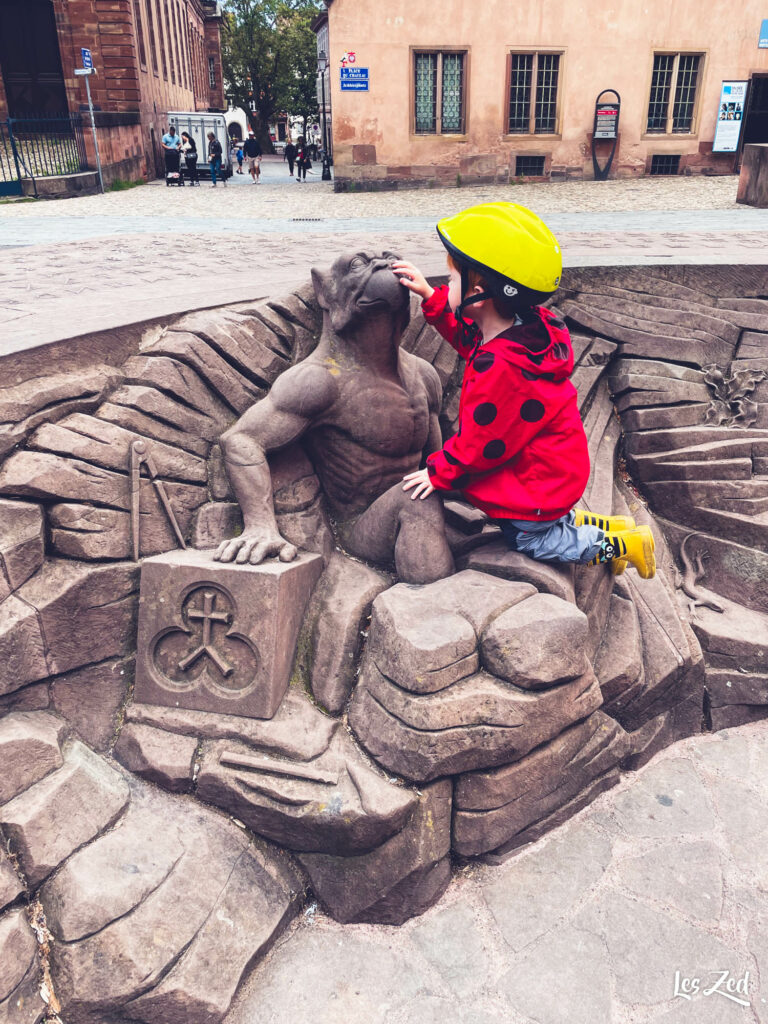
198	124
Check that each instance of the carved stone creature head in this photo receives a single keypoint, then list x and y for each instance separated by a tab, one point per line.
359	287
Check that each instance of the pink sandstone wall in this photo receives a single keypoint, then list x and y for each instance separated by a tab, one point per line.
603	46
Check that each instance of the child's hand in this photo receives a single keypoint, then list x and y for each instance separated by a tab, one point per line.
413	279
421	482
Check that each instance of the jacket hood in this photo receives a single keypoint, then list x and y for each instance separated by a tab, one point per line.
540	347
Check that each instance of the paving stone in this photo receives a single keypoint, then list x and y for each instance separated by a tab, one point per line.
456	946
90	699
163	758
397	880
30	748
531	895
726	752
687	876
744	813
571	961
48	822
348	977
646	947
668	799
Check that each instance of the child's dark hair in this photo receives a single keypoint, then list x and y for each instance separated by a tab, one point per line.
505	308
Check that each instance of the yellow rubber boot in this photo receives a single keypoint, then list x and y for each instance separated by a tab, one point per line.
635	547
611	524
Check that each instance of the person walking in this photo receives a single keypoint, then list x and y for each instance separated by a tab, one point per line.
252	150
189	149
303	162
171	150
289	154
240	157
214	158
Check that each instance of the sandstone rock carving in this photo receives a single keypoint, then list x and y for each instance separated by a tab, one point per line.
367	411
425	713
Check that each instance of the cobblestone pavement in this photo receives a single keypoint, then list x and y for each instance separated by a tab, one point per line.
94	263
666	873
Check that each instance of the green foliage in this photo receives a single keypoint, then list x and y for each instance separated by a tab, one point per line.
269	54
120	185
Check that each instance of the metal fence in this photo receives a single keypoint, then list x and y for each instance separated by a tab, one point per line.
40	147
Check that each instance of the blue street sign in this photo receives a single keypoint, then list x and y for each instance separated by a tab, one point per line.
354	79
763	41
87	58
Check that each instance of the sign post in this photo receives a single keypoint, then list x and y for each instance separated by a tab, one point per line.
730	117
85	72
605	128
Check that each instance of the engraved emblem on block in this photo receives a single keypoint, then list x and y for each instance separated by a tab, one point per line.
209	652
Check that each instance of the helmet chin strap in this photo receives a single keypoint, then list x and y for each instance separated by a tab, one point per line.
468	326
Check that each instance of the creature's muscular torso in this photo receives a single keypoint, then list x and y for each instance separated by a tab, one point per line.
373	432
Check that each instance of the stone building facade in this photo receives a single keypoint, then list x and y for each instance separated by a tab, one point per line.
151	56
494	90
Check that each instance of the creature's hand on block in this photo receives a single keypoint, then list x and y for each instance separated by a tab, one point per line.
254	545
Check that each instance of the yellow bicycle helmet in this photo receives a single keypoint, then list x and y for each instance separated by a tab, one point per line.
510	246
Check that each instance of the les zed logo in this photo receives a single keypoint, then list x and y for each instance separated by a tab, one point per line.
724	985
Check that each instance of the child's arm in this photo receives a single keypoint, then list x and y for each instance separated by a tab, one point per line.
434	305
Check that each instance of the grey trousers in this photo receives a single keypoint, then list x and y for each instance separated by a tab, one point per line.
558	540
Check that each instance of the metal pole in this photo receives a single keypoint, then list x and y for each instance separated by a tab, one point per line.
326	164
93	129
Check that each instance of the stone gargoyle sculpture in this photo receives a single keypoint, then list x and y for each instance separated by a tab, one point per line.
367	411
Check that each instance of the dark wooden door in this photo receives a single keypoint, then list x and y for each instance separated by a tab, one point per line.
756	126
30	58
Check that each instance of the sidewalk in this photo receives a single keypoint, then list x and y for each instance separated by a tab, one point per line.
666	873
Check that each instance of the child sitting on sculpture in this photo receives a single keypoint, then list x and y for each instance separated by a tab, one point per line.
520	453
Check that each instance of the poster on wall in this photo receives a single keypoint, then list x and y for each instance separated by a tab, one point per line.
730	117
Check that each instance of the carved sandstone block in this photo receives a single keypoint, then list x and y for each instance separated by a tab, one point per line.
219	636
29	750
67	809
21	543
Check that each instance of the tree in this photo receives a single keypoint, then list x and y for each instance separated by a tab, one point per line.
269	57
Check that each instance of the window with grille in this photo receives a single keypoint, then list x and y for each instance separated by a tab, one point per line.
674	83
529	166
665	163
212	72
161	37
533	85
439	101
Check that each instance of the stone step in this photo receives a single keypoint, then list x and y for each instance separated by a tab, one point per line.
650	468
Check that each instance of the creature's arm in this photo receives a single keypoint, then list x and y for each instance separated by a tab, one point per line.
274	422
434	398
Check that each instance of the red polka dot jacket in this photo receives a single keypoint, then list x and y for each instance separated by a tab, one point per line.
520	451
